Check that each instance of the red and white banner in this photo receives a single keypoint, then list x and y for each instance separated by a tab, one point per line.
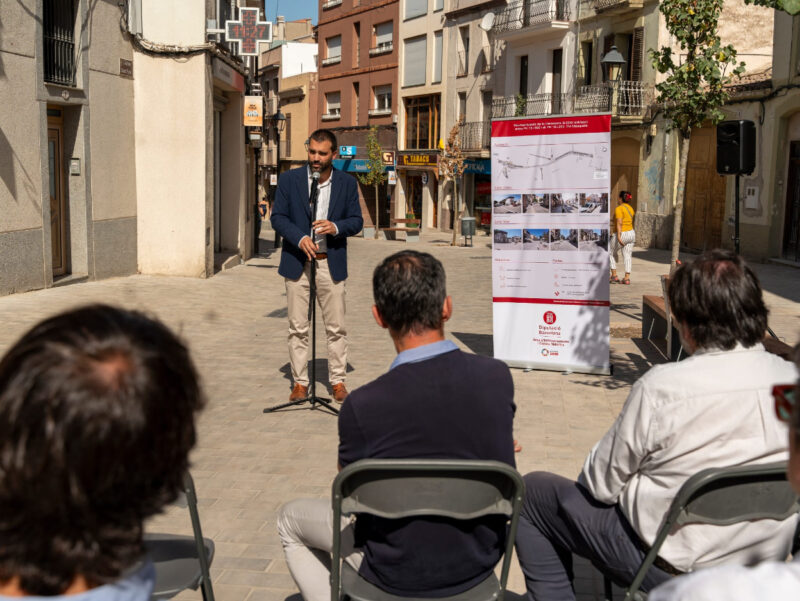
550	233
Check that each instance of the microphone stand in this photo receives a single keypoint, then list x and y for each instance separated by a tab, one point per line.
312	397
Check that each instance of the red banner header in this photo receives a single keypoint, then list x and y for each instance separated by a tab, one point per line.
588	124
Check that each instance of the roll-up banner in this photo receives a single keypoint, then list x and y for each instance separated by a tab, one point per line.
550	233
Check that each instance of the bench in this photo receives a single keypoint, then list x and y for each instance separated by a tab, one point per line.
403	225
655	322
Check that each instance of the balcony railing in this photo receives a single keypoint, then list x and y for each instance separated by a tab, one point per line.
331	4
379	112
486	59
475	135
331	116
384	48
331	60
629	99
534	104
462	64
526	13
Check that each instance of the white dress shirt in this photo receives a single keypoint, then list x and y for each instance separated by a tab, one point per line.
323	203
769	581
714	409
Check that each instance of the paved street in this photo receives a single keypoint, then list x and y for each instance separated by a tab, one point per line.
248	463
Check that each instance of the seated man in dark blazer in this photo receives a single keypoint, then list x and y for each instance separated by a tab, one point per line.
338	216
434	402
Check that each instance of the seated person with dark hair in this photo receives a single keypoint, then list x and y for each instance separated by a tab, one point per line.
771	580
97	418
435	402
713	409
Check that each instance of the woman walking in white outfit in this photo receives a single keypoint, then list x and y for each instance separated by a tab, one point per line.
624	238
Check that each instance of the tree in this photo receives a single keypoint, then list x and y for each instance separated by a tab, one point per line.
375	174
694	89
790	6
451	166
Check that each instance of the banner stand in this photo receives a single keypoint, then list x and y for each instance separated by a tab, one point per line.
550	240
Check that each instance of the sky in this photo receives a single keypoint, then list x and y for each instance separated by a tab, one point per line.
292	9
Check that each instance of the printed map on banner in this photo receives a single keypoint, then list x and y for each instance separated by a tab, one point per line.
550	232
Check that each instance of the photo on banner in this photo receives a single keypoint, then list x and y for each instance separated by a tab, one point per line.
550	235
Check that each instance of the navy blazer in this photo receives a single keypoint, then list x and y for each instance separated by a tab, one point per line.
291	218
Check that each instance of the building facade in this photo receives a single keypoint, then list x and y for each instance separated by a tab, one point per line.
358	59
423	63
138	163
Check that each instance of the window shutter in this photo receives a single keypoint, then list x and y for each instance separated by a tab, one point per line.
414	60
383	34
415	8
334	46
637	54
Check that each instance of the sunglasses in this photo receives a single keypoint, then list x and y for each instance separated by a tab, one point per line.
785	396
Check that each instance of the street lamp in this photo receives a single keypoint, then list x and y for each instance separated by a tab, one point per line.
612	63
278	121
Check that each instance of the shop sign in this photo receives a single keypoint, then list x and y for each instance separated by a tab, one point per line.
482	166
388	157
347	151
420	160
392	178
253	111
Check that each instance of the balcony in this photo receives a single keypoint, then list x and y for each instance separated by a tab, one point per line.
379	112
592	8
462	64
523	17
384	48
630	100
475	135
330	4
331	60
533	105
332	116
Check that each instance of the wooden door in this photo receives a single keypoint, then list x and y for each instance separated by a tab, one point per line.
704	203
58	209
791	216
624	173
555	89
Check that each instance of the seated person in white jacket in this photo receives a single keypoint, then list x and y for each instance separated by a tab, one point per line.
773	580
710	410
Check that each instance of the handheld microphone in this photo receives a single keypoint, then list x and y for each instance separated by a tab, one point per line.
314	186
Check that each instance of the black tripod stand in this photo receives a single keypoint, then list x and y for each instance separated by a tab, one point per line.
312	397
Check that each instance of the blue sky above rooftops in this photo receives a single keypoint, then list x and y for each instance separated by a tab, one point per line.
293	10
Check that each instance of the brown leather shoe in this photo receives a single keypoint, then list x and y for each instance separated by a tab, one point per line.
339	392
298	392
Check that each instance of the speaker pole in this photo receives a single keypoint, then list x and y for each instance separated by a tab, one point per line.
736	218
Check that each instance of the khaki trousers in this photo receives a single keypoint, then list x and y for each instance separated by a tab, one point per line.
330	296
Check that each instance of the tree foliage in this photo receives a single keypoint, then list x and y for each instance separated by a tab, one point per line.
790	6
694	89
375	174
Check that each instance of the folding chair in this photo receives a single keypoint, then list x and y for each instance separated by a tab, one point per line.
182	562
721	496
398	488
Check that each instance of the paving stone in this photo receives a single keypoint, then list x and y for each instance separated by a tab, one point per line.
248	463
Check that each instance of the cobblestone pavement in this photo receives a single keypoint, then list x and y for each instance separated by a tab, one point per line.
248	463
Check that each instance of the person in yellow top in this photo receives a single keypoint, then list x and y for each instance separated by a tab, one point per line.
624	238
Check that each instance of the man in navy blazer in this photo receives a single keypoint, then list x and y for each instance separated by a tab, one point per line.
338	216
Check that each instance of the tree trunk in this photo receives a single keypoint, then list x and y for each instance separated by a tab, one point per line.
681	193
456	210
377	216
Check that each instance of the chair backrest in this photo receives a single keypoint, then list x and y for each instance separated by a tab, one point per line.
397	488
724	496
729	495
454	488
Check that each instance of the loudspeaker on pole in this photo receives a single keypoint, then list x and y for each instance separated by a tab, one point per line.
736	147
